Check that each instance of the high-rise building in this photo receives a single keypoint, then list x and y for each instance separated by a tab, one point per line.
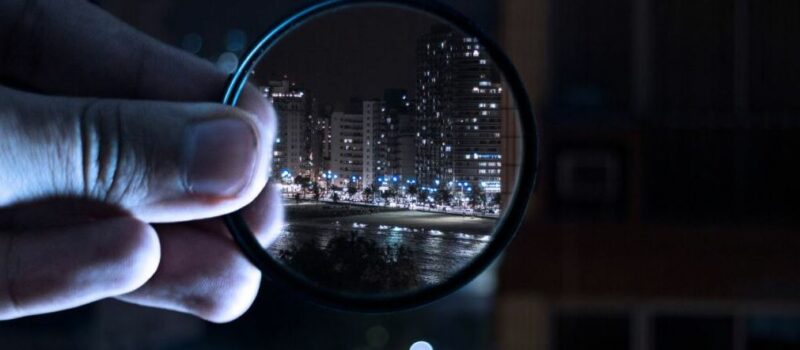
389	139
347	147
291	152
458	112
300	142
373	156
402	134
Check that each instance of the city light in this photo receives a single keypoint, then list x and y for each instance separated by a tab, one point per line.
385	148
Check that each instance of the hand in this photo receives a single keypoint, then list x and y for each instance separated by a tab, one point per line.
106	189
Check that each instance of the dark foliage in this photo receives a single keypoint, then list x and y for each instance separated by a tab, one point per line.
353	262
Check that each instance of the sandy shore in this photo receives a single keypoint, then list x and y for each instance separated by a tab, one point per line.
328	213
316	210
426	220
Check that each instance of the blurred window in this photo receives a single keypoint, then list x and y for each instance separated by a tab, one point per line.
578	331
591	55
692	333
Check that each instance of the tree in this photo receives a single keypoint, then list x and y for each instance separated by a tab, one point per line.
304	182
354	262
422	196
413	190
351	191
477	198
368	194
390	193
443	196
497	198
316	191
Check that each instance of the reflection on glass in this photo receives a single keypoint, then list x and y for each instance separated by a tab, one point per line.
396	151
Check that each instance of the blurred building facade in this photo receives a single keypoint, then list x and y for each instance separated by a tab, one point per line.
664	216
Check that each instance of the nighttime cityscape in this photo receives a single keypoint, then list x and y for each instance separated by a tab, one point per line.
415	178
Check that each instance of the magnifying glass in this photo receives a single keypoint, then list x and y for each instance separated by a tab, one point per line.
406	152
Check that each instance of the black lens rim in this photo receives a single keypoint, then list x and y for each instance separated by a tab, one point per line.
508	224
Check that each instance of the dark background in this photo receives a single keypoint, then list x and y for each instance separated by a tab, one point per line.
666	213
322	57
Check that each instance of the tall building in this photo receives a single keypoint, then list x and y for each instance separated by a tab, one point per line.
458	112
325	137
389	139
291	152
303	135
402	134
372	163
347	147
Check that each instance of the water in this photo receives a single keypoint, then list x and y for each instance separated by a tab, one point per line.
439	246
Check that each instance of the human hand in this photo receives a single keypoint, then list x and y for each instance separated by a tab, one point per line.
106	189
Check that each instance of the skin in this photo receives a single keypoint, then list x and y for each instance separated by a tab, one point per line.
107	188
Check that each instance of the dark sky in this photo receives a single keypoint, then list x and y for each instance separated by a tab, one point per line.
357	52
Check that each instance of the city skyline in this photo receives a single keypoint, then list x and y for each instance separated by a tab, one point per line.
442	133
399	187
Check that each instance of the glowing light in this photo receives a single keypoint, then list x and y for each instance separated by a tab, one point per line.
421	345
227	62
235	40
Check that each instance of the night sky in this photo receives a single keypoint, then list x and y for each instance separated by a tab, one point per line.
350	53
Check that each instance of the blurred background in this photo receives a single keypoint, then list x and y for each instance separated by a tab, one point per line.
665	216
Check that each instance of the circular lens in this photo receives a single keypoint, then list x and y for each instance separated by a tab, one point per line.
403	157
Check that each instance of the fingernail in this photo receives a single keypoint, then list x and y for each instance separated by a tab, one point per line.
220	156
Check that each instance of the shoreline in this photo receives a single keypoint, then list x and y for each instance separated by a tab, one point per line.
325	213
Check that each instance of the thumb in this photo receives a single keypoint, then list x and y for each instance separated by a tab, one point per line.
57	269
162	161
